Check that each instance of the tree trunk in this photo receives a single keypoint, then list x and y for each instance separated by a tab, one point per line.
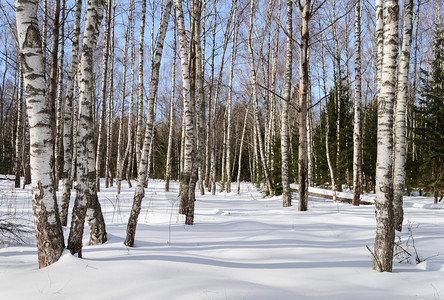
140	85
130	148
230	92
241	148
109	135
172	110
186	206
59	117
49	232
154	83
385	231
303	98
216	97
120	155
68	118
357	142
19	134
86	202
400	116
286	193
200	100
255	100
102	118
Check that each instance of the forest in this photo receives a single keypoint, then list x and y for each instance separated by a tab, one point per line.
346	96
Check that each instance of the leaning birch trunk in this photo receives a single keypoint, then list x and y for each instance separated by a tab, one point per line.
385	231
86	203
102	125
140	85
154	84
49	232
286	193
230	92
19	134
26	149
357	149
109	131
173	89
303	98
120	154
68	118
400	116
256	101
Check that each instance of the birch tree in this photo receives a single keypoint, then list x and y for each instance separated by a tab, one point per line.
286	193
142	168
49	232
19	134
102	118
401	116
86	203
172	110
357	148
140	84
385	232
253	79
229	100
303	99
68	117
109	130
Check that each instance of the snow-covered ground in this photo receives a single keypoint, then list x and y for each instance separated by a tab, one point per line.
241	247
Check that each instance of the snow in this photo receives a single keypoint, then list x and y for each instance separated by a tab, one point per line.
241	247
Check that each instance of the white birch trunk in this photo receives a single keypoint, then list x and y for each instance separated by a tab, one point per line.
401	116
172	110
68	118
49	232
140	85
303	98
385	231
286	192
130	148
357	142
241	148
60	103
120	153
154	84
186	206
102	118
229	100
109	131
19	132
216	98
86	203
255	99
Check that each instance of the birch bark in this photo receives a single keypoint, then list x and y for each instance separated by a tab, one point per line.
401	116
102	125
49	232
172	110
154	83
303	98
86	203
286	193
385	231
68	118
357	142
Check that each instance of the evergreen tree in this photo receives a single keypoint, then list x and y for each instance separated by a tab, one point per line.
429	131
